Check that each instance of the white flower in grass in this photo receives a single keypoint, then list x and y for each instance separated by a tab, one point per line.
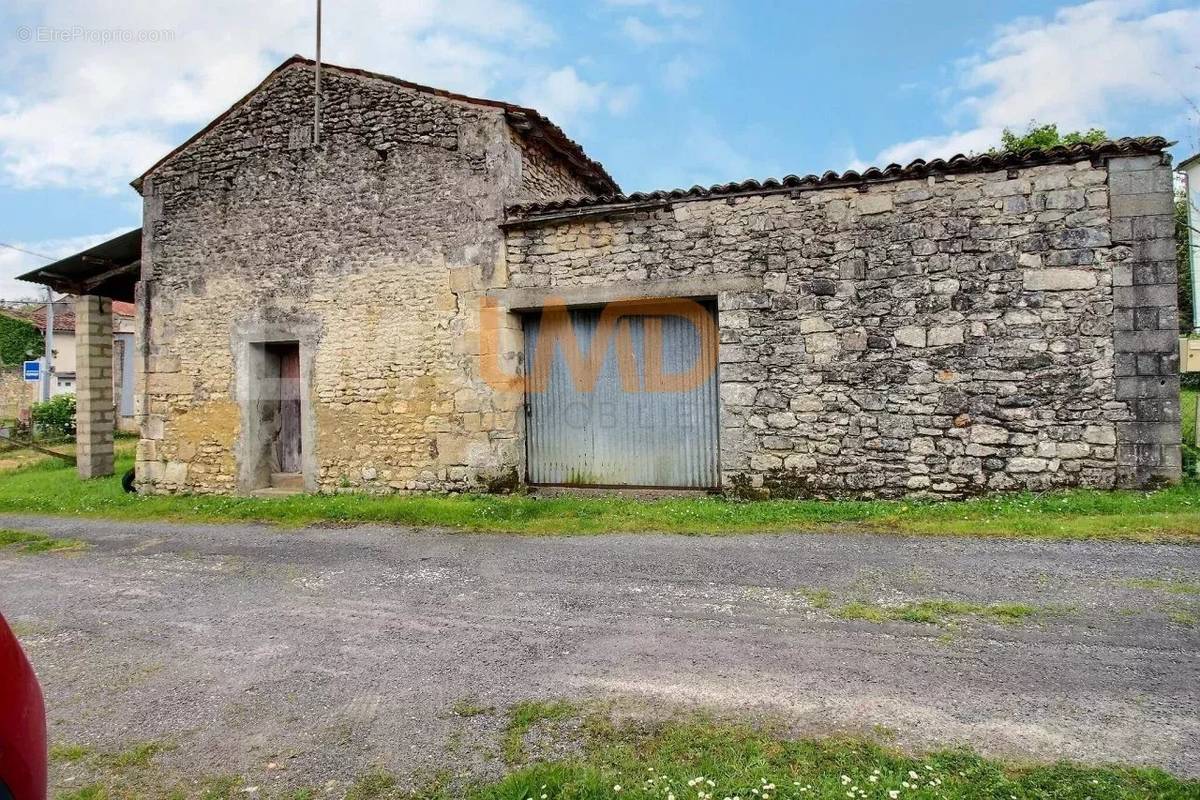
845	779
617	787
893	793
914	776
873	778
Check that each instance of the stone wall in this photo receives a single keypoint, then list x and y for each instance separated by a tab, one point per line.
544	175
16	396
943	336
370	251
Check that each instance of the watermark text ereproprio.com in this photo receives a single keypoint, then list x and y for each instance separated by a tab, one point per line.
81	33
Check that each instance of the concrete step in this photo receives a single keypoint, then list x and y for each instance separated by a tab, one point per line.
273	492
287	480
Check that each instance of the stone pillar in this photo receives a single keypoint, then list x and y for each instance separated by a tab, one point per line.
95	412
1145	320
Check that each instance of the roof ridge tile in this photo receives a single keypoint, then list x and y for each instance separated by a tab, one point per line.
917	168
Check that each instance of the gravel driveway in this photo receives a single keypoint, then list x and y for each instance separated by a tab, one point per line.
343	649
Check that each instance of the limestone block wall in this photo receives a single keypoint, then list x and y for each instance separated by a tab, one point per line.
370	251
1000	330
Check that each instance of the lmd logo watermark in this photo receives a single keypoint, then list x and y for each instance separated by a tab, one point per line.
556	333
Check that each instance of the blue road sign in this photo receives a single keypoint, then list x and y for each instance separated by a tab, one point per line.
33	371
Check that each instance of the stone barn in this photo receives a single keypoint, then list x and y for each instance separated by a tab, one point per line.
447	293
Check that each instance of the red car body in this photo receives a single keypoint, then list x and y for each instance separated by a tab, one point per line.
22	724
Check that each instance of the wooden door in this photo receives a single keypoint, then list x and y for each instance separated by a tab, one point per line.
289	445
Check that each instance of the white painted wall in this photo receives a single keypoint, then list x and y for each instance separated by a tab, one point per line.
1191	172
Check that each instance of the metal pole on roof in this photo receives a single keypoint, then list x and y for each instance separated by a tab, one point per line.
317	94
48	359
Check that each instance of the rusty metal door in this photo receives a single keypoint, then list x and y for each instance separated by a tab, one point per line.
646	416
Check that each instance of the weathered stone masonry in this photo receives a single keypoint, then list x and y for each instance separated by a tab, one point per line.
996	330
370	252
940	329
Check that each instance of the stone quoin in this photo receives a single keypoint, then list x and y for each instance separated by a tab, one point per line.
942	329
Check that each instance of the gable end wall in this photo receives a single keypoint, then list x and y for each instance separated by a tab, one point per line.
370	252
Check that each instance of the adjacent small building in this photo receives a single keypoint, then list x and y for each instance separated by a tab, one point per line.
448	294
20	395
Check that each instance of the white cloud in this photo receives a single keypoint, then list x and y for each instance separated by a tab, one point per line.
1078	69
640	33
974	140
14	262
679	72
563	96
92	115
665	8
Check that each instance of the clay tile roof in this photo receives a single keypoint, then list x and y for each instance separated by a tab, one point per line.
64	315
1145	145
526	121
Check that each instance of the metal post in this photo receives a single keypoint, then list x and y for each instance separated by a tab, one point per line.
1191	198
48	358
317	94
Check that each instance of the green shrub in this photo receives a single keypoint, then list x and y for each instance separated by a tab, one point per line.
56	416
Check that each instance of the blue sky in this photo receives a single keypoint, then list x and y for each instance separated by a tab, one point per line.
664	92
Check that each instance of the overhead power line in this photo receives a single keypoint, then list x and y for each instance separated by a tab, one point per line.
27	252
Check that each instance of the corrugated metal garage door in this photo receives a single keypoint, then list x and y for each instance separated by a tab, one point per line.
614	433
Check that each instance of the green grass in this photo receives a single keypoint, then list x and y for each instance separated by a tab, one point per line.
69	752
817	598
682	757
470	706
29	542
1169	514
692	755
1183	616
371	786
937	612
523	717
1187	413
1157	584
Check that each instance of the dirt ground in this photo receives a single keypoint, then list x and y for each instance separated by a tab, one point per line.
333	651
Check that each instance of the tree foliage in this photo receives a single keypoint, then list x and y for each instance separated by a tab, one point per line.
1042	136
19	340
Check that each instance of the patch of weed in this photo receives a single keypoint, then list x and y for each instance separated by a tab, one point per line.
140	754
470	706
70	752
1156	584
372	786
524	716
864	611
1183	616
817	598
936	612
30	542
